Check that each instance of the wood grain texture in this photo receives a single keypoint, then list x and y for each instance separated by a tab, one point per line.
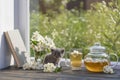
65	74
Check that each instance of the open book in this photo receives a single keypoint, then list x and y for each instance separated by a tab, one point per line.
17	47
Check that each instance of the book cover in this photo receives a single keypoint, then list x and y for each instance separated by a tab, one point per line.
17	47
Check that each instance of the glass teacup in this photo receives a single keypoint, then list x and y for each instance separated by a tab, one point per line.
76	60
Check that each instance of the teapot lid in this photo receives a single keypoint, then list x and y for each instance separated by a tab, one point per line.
97	48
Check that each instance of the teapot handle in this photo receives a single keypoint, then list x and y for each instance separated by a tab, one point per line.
116	59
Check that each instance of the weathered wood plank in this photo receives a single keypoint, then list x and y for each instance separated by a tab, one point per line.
66	74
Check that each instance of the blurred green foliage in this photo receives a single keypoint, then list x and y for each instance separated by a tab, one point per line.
71	29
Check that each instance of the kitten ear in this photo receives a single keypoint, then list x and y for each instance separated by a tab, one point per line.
62	50
52	49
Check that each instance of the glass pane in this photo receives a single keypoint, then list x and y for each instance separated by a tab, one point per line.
78	23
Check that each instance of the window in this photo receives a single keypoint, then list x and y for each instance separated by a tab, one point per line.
71	26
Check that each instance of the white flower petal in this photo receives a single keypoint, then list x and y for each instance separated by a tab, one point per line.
108	69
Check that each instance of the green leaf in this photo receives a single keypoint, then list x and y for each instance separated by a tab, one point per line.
35	42
58	69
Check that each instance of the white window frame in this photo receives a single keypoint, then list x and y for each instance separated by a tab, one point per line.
21	20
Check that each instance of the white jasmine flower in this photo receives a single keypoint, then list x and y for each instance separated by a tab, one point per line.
97	60
104	2
49	67
26	66
89	59
54	33
108	69
64	2
49	42
37	37
76	52
32	65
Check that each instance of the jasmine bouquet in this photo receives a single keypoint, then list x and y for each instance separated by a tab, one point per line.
41	45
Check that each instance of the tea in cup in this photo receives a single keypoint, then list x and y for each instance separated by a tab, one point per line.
76	60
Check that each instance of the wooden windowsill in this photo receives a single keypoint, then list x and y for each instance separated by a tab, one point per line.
12	73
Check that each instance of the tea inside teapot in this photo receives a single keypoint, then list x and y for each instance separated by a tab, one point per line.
95	65
97	58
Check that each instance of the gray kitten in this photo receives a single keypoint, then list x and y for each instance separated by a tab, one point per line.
55	56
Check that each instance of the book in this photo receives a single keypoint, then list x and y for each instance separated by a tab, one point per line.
17	47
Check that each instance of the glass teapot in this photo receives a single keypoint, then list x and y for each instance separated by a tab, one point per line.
97	58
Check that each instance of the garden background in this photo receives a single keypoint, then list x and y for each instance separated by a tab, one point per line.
73	26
